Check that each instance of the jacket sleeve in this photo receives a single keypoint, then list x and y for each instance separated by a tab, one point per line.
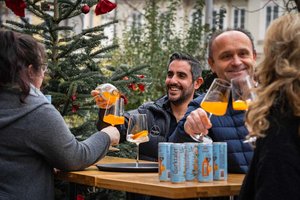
179	135
51	138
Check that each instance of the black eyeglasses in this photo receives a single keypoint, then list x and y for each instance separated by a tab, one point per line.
44	67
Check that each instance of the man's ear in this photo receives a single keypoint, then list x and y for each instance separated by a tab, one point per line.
211	64
198	83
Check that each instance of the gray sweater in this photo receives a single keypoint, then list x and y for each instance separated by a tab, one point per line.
34	139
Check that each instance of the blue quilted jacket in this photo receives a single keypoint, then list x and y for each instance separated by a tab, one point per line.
229	128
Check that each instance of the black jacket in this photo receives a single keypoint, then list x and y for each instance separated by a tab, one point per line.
274	173
161	124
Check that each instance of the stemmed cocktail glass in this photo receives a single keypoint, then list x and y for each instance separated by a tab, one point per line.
214	102
137	131
242	94
114	112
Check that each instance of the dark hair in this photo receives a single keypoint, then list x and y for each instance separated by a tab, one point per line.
194	63
17	52
219	32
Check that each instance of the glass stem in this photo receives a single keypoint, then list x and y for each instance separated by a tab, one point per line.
137	155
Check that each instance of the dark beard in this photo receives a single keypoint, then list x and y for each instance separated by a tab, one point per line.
179	101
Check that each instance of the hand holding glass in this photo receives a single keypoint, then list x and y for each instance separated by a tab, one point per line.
137	131
214	102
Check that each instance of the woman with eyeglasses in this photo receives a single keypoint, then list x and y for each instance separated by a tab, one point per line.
34	138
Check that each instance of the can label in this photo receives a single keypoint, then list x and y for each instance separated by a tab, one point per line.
191	161
177	163
205	162
164	159
220	160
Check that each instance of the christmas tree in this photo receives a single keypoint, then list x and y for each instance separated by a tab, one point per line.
78	60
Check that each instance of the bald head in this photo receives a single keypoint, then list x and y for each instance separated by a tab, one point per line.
217	33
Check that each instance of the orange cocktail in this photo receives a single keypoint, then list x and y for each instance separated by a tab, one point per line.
139	137
240	105
215	107
113	119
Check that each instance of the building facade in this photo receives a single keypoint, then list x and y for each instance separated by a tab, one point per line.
253	15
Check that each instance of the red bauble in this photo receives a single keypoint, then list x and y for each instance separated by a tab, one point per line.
104	6
85	9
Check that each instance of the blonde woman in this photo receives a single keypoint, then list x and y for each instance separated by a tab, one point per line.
274	117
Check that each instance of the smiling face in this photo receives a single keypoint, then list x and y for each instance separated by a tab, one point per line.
232	55
179	82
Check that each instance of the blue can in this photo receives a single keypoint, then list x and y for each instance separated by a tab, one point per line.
164	159
205	162
177	163
191	161
220	160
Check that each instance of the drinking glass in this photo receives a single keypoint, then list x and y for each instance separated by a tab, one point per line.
137	131
242	96
214	102
114	112
242	93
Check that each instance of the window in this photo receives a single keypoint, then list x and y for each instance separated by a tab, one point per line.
137	20
239	18
218	19
272	13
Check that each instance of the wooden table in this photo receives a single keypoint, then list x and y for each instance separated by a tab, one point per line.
149	184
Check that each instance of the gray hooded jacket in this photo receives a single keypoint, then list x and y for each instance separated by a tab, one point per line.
34	139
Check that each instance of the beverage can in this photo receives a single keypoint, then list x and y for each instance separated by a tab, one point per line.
191	161
205	162
164	159
220	160
177	163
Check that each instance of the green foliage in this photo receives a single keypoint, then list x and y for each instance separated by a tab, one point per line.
78	61
156	39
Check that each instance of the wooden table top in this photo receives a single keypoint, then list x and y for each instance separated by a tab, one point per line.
149	184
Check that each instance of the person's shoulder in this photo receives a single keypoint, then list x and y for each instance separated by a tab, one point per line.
156	103
197	99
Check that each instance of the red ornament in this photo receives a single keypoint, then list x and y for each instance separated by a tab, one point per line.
73	97
132	86
141	87
141	76
79	197
17	6
104	6
75	108
85	9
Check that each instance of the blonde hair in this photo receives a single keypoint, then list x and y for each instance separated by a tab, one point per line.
278	74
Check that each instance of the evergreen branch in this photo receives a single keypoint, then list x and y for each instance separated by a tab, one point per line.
70	10
118	76
63	28
36	10
84	75
104	50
